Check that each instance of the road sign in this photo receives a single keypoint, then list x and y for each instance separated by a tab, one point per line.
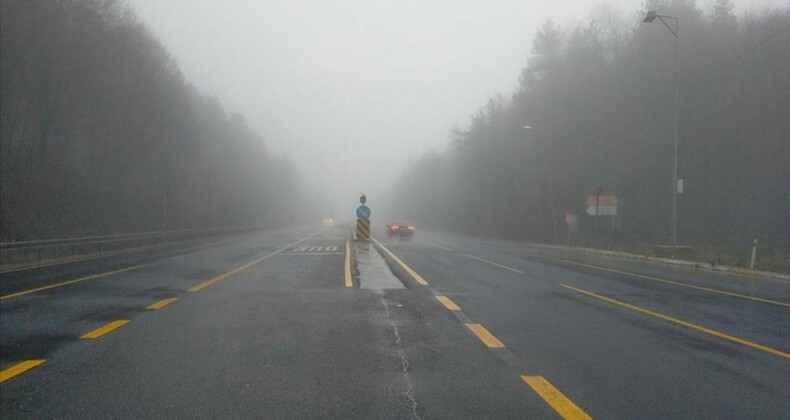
602	210
603	200
571	219
606	204
363	212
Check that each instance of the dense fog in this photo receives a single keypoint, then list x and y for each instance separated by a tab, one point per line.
102	134
141	115
597	100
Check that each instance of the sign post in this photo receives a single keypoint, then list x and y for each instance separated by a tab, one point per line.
598	191
602	205
571	220
363	219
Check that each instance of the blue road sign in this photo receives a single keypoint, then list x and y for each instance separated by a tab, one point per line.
363	212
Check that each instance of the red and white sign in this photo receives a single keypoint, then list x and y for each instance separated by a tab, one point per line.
606	205
603	200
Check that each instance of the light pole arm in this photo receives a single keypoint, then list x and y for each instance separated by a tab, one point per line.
674	31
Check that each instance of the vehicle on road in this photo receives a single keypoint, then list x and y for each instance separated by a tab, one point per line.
400	229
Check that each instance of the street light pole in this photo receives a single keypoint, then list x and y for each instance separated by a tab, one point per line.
650	17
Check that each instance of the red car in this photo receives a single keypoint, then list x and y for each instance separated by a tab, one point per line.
400	229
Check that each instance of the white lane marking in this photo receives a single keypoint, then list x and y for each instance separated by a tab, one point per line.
308	253
441	247
314	249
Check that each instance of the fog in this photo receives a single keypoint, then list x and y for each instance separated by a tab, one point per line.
353	90
141	115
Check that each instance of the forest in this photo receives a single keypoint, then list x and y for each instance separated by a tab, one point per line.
594	108
100	133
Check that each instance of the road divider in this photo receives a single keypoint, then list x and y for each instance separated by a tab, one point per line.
161	304
403	265
19	368
202	285
680	322
494	264
98	332
69	282
485	336
556	399
672	282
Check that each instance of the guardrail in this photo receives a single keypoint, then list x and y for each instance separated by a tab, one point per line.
29	254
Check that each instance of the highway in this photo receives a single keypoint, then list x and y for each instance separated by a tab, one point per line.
305	323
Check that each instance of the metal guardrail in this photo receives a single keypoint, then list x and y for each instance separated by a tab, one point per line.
28	254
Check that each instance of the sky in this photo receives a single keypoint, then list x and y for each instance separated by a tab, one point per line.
352	90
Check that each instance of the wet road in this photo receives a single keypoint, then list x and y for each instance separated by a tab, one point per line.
289	324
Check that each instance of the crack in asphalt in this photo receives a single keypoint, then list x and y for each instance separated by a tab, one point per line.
404	362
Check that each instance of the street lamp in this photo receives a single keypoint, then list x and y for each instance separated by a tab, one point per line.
551	192
650	17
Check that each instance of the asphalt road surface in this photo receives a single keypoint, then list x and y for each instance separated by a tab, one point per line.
288	324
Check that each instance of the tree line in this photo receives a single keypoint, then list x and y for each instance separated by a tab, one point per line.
100	133
599	101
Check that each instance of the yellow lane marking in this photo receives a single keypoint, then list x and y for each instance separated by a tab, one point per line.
347	266
556	399
19	368
449	304
486	337
494	264
200	286
408	269
98	332
66	283
675	283
686	324
162	303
